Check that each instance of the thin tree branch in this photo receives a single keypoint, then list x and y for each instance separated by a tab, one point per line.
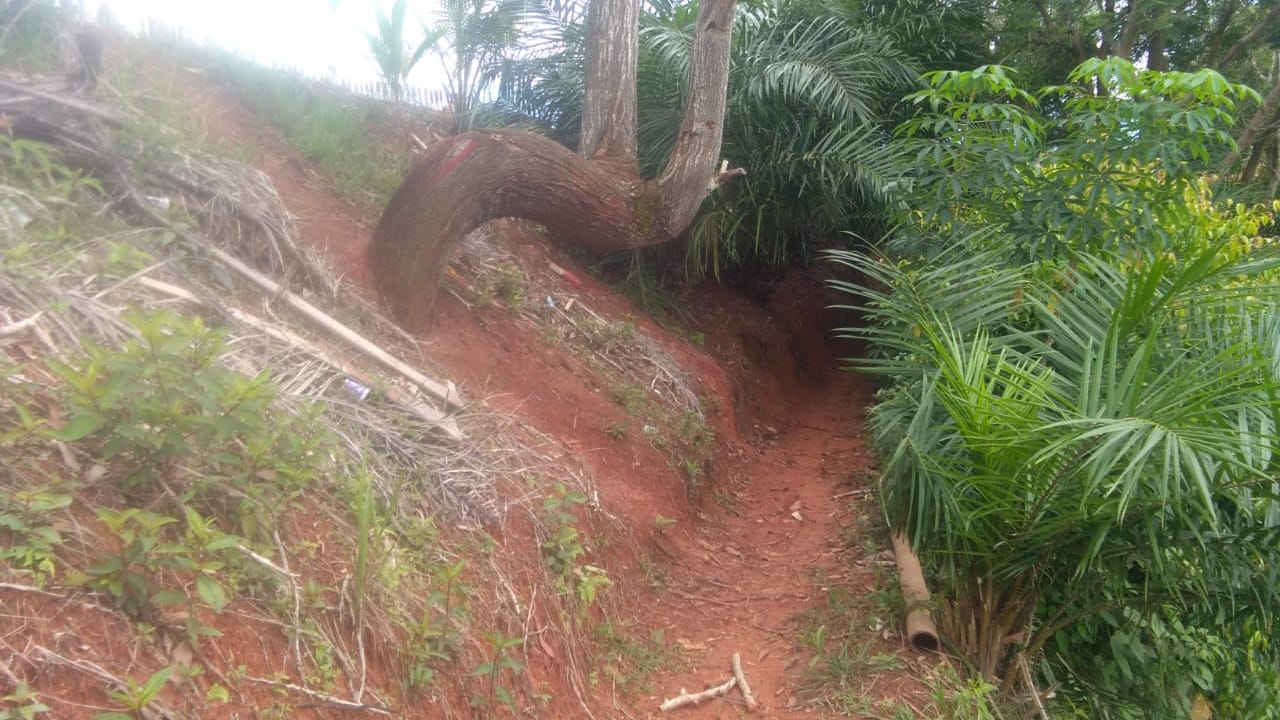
1243	43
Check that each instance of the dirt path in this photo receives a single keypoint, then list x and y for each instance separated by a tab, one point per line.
773	553
767	545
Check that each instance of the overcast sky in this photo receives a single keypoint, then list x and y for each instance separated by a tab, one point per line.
308	35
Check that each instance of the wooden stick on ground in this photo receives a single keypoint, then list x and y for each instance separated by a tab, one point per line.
686	698
742	681
311	312
414	405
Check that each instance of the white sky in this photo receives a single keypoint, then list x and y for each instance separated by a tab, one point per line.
307	35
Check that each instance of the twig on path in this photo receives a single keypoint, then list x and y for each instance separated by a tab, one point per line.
322	699
687	698
742	681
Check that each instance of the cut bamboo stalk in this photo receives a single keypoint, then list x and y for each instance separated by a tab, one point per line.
922	632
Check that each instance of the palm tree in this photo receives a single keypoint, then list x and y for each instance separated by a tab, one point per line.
1111	457
391	50
471	39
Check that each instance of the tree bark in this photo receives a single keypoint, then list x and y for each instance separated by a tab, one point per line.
686	180
609	106
1157	59
1133	17
1260	120
591	199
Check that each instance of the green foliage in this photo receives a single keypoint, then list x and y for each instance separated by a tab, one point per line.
22	704
473	39
564	549
437	637
133	576
330	130
27	525
33	34
1105	171
390	47
809	81
136	698
1079	346
491	672
161	405
510	285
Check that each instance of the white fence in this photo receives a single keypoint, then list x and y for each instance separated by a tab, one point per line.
414	95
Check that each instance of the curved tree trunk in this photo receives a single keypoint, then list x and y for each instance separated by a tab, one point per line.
594	200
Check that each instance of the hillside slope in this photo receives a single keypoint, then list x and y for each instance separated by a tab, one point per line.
728	490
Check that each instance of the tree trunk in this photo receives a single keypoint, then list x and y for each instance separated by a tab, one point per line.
1133	18
1157	59
592	199
609	106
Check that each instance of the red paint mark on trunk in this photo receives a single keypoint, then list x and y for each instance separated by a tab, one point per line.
453	162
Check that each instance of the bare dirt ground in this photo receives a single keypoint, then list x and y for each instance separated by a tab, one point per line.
786	519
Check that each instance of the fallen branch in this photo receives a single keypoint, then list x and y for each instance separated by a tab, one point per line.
64	101
742	681
1031	687
686	698
323	699
18	326
393	392
438	390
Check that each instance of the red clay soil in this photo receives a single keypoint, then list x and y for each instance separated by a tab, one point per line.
771	535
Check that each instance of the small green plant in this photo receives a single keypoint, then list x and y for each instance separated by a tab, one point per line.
692	474
971	699
564	547
437	635
631	397
136	698
510	285
663	523
630	662
614	336
26	526
162	405
22	704
590	580
132	576
491	671
616	430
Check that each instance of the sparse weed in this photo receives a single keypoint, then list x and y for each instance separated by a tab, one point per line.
28	530
136	698
616	430
564	548
631	397
438	634
509	285
492	672
631	662
22	704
